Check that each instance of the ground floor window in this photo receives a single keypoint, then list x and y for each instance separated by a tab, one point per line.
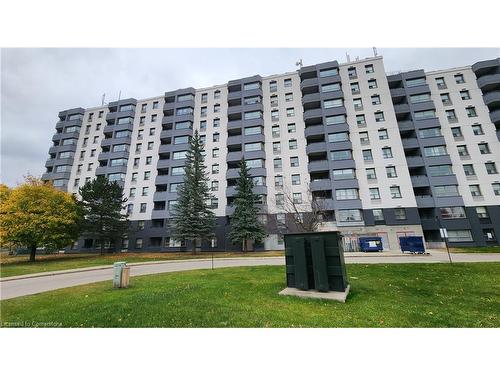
489	234
459	236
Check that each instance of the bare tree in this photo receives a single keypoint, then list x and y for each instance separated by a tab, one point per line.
304	214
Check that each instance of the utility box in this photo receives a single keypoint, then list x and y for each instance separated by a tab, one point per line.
412	244
370	244
315	262
121	275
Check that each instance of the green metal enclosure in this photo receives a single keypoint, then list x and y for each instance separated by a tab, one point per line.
315	261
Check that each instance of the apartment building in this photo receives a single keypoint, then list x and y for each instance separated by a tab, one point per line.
387	155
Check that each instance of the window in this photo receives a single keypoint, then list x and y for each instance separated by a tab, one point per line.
138	147
142	120
378	214
491	168
459	236
445	99
155	105
471	112
379	116
360	120
400	213
77	182
294	161
140	133
456	132
435	151
484	148
328	72
144	107
358	104
278	180
292	144
217	94
185	97
440	170
330	87
178	155
273	86
276	147
440	82
337	119
149	160
123	134
372	84
85	141
391	172
462	150
152	131
387	153
288	97
430	132
374	193
215	153
274	100
145	191
489	234
251	130
333	103
355	88
177	171
280	201
251	86
420	98
181	140
136	162
464	94
343	174
363	137
116	176
134	177
71	129
352	72
338	137
349	215
382	134
275	115
256	146
154	118
216	108
371	174
496	188
68	141
297	198
82	155
295	179
79	168
204	97
276	131
215	186
214	203
446	191
341	155
117	162
66	155
288	82
215	168
422	115
469	170
150	145
183	125
367	155
184	111
147	175
375	99
345	194
138	243
255	163
171	205
459	78
215	137
290	112
451	116
252	115
369	69
174	188
277	163
415	82
452	212
203	111
482	212
58	182
291	128
395	192
477	129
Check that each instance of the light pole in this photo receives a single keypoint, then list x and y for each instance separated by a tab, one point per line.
444	235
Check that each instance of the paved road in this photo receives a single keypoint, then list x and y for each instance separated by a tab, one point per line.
26	285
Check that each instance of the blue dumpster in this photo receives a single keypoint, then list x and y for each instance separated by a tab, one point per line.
412	244
370	244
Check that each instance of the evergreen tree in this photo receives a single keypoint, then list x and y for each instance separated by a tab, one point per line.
193	220
245	225
102	202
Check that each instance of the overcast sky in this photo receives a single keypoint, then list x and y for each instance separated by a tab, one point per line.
38	83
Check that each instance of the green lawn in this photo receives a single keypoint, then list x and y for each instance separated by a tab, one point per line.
478	249
19	265
396	295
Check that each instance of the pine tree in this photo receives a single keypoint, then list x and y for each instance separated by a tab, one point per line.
102	202
245	225
193	219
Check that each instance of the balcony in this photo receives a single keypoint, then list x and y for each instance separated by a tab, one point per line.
311	98
398	92
164	196
489	82
427	123
424	201
415	161
316	147
495	116
113	155
420	181
313	113
309	82
231	190
401	108
318	166
492	98
168	179
314	130
321	185
484	67
406	125
234	140
234	172
409	143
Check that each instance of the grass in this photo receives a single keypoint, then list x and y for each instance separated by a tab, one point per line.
14	265
476	249
395	295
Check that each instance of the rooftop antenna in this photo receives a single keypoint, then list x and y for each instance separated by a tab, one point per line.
119	95
375	53
103	98
357	58
348	57
299	63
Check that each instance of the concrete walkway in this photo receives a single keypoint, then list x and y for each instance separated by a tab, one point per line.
16	286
